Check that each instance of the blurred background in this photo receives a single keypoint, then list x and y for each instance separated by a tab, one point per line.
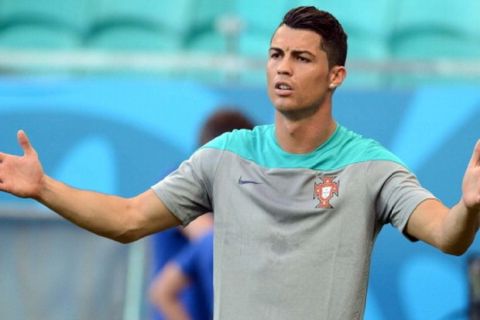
113	92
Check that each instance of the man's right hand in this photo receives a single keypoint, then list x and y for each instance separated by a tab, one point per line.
21	175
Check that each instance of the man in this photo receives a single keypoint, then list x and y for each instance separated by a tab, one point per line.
297	204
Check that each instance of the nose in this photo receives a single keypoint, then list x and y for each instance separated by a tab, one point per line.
284	66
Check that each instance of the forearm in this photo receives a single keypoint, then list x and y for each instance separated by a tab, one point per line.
166	290
459	228
450	230
172	308
105	215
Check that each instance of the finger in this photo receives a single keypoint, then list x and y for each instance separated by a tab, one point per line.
475	160
25	142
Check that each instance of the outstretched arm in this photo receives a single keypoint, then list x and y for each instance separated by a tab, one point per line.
451	230
110	216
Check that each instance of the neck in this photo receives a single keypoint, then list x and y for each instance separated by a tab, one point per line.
306	134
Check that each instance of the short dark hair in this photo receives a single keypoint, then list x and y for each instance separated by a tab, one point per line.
223	120
334	38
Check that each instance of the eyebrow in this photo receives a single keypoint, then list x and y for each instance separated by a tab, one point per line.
294	52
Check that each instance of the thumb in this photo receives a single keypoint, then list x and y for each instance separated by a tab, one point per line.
475	160
25	143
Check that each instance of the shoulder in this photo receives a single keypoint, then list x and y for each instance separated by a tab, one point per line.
352	148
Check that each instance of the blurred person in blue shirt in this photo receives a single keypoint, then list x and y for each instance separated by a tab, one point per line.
183	257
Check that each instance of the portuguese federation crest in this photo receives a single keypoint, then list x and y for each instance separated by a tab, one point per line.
325	190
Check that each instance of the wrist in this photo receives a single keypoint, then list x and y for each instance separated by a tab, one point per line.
473	213
41	191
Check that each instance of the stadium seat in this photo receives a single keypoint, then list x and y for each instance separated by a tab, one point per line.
372	18
206	41
368	26
260	19
212	31
435	52
131	35
435	29
52	24
364	21
139	25
173	15
434	43
444	14
67	12
36	33
363	50
210	26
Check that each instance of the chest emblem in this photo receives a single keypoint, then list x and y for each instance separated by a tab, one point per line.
325	191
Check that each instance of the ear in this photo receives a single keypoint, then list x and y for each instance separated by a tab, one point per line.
336	76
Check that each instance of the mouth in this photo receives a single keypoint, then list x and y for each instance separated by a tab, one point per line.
283	88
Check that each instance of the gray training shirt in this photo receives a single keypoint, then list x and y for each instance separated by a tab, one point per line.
293	232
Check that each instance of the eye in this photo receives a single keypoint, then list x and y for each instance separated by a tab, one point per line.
274	55
303	59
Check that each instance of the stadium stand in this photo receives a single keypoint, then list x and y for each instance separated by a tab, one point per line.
139	25
434	31
387	39
39	33
75	13
209	30
368	26
260	20
34	24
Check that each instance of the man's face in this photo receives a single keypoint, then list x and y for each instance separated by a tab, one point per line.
297	71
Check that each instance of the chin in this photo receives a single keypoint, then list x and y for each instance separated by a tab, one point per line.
295	112
284	103
284	108
287	110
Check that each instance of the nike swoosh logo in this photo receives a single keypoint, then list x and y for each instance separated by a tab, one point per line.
241	181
